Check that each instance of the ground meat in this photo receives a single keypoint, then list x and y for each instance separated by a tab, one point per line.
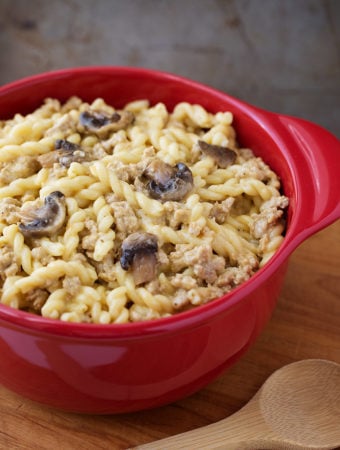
221	210
233	276
35	300
202	294
105	269
125	172
241	205
201	259
72	285
181	281
95	153
270	213
41	254
254	168
125	219
8	263
181	299
65	126
163	261
248	262
176	215
196	296
90	236
198	227
177	258
10	210
21	167
208	267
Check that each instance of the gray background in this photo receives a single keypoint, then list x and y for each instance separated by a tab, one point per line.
282	55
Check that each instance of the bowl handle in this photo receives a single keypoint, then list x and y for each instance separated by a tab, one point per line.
317	158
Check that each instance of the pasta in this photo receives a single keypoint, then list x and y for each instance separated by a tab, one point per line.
115	216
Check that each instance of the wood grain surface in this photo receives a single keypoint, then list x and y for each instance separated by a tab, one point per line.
305	324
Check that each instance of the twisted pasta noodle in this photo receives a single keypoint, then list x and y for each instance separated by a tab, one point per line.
10	296
132	156
68	186
84	304
75	225
11	151
181	136
203	168
103	213
154	117
86	196
170	151
168	235
22	252
229	241
242	225
140	296
138	136
255	187
55	270
220	176
225	118
52	248
89	141
219	135
137	106
55	305
26	130
271	243
106	237
76	169
235	188
20	187
159	303
116	301
99	315
126	279
196	114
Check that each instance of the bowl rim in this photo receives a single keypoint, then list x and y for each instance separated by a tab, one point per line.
182	320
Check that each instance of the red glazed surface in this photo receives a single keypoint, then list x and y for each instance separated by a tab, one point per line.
119	368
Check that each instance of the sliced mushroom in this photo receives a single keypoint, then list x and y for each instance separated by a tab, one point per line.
139	253
48	219
166	183
102	124
223	156
65	153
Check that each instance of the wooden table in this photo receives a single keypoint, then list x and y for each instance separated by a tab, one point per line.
305	324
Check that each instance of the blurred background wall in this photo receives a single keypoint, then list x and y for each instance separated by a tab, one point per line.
282	55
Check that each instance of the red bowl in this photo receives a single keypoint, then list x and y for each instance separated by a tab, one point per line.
118	368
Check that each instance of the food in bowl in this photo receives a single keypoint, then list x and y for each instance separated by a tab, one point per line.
105	368
123	215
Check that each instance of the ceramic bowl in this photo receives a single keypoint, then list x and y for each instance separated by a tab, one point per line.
101	369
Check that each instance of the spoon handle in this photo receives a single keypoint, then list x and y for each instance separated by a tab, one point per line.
243	430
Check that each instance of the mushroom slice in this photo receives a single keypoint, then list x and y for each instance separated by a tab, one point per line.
48	219
65	153
101	124
223	156
69	152
166	183
139	252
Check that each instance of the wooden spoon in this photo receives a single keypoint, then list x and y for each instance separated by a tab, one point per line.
298	407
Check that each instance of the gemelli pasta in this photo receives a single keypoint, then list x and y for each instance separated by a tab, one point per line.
114	216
